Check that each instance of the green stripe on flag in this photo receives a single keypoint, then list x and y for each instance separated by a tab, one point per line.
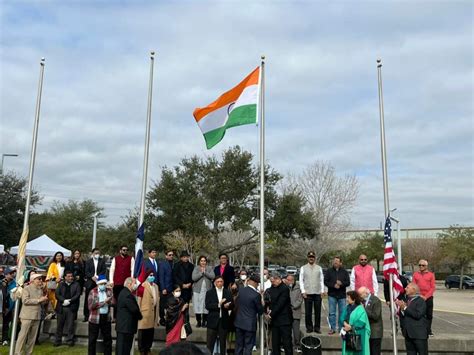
240	116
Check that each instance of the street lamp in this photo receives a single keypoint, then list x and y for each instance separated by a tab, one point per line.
94	231
3	157
399	241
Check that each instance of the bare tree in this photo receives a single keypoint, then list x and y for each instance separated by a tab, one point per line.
421	248
238	244
193	245
330	198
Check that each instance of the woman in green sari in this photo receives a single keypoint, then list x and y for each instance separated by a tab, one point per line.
355	319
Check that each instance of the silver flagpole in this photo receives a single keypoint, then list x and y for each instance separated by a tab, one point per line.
146	155
385	192
24	235
147	142
262	194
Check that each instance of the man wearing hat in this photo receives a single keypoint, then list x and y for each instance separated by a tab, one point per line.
280	315
249	304
8	304
312	286
183	276
30	315
100	301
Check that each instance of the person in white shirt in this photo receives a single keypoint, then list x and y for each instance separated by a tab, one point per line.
312	288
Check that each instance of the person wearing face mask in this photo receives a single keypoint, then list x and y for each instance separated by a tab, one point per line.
241	282
202	282
94	266
128	315
100	301
121	267
363	275
175	313
67	296
148	304
266	279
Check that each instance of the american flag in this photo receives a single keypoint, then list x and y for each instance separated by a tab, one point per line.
390	262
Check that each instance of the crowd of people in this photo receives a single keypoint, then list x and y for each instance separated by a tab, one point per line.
227	306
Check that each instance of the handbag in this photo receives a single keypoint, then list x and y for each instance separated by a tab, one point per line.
186	330
353	342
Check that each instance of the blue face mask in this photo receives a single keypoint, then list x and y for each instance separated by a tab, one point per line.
102	287
151	279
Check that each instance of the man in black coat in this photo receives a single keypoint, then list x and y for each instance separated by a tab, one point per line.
95	266
413	321
183	276
128	315
218	302
68	294
249	305
225	270
280	315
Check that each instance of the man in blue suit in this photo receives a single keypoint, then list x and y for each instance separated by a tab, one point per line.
165	282
249	305
151	263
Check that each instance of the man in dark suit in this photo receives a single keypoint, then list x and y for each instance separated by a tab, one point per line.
151	263
373	308
280	315
249	305
128	315
225	270
68	294
94	266
413	321
183	276
218	302
165	282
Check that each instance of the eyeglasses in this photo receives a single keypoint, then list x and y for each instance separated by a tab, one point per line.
124	249
362	259
422	265
170	255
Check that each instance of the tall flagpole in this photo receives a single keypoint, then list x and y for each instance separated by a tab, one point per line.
385	192
24	234
145	156
147	143
262	193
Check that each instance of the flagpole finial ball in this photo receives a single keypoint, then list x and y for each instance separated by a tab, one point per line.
263	57
379	62
152	53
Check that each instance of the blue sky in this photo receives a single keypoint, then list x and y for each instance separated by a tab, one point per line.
321	94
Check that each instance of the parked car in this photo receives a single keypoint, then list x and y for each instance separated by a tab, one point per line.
452	281
380	277
291	270
282	272
408	275
272	267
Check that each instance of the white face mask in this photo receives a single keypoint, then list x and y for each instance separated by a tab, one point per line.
135	286
96	256
265	277
243	277
177	294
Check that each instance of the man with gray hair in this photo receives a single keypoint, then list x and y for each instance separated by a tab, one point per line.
373	308
413	321
128	315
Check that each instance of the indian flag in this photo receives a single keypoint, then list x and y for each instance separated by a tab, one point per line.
236	107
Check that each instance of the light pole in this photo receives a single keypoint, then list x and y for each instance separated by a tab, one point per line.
3	157
94	231
399	242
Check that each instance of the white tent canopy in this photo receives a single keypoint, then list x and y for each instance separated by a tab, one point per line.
42	246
